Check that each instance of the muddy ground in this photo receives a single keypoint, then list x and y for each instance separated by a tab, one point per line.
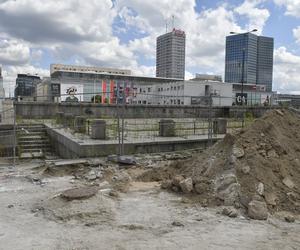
124	213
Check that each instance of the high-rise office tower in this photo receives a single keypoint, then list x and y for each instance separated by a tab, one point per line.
2	92
170	55
26	85
249	59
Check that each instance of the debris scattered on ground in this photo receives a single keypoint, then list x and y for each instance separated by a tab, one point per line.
177	224
79	193
289	218
230	212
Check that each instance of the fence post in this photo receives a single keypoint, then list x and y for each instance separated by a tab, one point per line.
210	124
15	137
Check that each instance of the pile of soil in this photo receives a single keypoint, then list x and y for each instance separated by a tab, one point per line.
262	161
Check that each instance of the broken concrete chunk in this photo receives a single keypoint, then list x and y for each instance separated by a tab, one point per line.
177	224
201	188
272	154
238	152
166	184
257	210
279	112
246	169
288	182
271	199
177	179
186	185
260	189
289	218
230	212
79	193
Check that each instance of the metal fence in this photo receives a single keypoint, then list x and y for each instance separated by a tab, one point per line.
122	129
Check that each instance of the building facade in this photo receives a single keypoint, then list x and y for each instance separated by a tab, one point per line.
93	87
207	77
184	93
170	55
86	69
249	59
26	86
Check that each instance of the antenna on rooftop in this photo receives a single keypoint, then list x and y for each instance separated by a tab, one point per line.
173	21
166	25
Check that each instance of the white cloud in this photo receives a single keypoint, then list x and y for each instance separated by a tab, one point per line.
57	21
13	52
257	16
82	31
296	33
292	7
286	71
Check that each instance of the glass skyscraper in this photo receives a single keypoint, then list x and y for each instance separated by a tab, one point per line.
249	59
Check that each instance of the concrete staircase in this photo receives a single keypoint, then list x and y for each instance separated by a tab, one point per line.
33	141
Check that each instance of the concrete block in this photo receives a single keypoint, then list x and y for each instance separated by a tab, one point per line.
98	129
79	124
220	126
166	128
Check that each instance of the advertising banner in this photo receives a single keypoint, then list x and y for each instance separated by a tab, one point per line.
71	92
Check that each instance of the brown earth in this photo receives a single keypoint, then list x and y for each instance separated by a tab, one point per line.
261	161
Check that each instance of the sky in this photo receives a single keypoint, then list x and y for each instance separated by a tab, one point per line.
122	34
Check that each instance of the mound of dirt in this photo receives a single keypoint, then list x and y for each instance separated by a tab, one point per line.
261	162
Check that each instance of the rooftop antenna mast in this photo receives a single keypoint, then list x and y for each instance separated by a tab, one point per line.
166	25
173	21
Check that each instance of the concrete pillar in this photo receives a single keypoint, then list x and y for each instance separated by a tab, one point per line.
79	124
166	128
68	120
98	129
220	126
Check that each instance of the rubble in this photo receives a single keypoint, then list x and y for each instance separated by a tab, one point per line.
186	185
261	159
79	193
230	212
257	210
289	218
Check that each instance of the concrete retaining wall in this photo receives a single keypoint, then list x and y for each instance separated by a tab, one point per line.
44	110
68	148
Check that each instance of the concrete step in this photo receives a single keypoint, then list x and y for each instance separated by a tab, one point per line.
32	155
33	141
36	141
22	134
34	146
30	126
32	137
33	150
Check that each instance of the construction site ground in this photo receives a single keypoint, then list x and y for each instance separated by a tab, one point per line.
120	210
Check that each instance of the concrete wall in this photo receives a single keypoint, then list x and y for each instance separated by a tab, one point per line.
68	148
42	110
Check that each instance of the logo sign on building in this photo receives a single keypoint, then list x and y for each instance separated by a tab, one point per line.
241	98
